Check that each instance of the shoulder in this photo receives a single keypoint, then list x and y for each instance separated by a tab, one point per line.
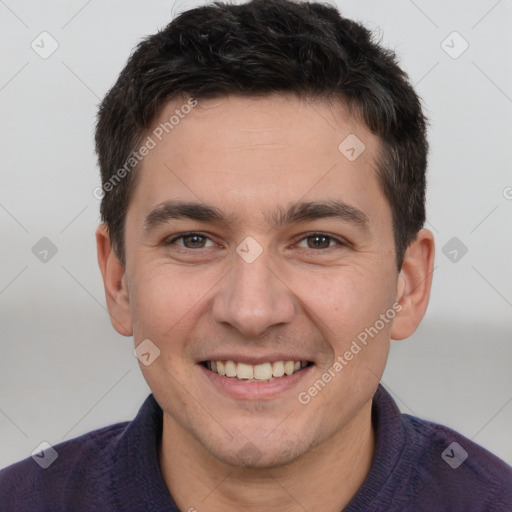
450	468
44	481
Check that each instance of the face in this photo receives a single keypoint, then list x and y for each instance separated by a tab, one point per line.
256	246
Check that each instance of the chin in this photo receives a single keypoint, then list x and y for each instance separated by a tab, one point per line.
260	454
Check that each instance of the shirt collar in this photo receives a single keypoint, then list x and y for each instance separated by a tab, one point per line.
390	441
137	480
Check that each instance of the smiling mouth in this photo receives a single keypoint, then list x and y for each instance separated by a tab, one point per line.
264	372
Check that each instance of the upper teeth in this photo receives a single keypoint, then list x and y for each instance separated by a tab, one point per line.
258	372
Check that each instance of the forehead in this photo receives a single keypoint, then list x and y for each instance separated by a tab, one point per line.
251	154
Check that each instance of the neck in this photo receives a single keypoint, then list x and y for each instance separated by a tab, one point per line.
324	479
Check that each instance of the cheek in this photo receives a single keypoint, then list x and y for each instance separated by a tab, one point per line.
344	301
346	307
162	298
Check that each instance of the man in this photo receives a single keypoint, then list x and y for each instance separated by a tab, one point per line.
263	181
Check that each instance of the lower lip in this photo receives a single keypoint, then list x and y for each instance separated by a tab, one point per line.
254	390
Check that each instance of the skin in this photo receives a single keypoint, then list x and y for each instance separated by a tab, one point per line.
248	157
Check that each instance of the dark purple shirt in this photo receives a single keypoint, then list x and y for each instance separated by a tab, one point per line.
416	467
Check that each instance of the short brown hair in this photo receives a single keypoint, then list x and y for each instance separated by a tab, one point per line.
263	47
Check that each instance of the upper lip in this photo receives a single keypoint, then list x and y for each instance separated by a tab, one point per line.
253	359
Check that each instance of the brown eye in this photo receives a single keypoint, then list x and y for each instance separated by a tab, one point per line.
319	241
194	241
191	241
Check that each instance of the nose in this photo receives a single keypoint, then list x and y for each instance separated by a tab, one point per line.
253	297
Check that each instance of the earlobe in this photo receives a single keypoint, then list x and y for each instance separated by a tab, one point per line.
114	282
414	284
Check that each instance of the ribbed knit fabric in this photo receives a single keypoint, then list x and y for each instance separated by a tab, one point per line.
116	469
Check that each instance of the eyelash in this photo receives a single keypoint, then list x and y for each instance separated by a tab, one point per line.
339	241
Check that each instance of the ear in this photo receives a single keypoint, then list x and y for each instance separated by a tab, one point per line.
114	281
414	283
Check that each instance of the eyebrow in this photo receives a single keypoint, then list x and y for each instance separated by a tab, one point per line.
297	212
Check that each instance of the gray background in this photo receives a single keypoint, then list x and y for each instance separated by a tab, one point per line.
65	371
